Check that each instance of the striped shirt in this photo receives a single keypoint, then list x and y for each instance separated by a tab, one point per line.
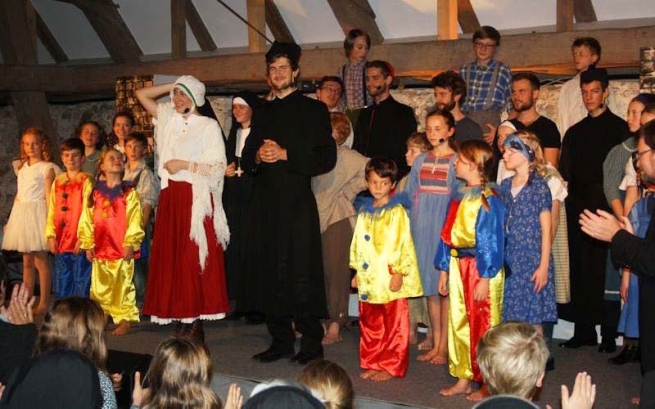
434	174
479	80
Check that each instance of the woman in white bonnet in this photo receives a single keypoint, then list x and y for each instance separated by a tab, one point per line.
186	277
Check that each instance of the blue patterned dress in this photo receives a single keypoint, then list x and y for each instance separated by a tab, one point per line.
430	186
523	253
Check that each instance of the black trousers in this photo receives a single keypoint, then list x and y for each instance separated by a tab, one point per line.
281	330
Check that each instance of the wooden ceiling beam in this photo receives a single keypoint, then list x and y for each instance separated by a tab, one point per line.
564	15
111	28
539	52
276	24
178	29
584	11
357	14
49	41
257	18
447	19
468	20
198	28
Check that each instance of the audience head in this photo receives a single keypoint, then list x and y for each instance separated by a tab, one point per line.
329	91
356	44
76	324
330	382
179	376
57	379
35	134
512	358
586	52
449	90
281	395
340	127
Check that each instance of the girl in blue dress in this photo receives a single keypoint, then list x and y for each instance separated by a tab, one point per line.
529	285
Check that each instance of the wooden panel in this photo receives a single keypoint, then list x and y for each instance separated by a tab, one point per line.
540	52
466	16
257	18
199	29
276	23
584	11
356	14
49	41
178	29
447	19
565	15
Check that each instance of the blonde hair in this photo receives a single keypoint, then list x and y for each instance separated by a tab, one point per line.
179	376
331	382
341	124
77	324
43	140
539	164
100	175
419	140
512	359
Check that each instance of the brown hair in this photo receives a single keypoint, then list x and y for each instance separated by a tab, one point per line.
449	119
479	153
349	41
340	124
383	167
43	140
77	324
179	376
331	382
420	140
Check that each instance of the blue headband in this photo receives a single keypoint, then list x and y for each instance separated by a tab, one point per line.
516	143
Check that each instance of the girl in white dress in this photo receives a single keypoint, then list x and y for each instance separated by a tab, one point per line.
25	230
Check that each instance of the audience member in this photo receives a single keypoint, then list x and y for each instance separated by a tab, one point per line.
449	94
282	396
17	329
330	382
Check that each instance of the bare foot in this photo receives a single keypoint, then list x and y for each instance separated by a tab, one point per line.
382	376
428	356
440	359
368	374
461	387
478	395
635	400
332	336
122	329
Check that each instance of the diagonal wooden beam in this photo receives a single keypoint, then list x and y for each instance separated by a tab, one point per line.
178	29
198	28
468	20
584	11
49	41
257	18
356	14
276	23
111	28
565	15
447	19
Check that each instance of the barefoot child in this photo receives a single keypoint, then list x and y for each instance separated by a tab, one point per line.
382	252
470	256
25	229
110	232
430	185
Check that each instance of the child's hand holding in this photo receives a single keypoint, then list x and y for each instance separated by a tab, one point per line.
481	290
52	244
443	283
230	171
540	278
128	253
396	282
90	255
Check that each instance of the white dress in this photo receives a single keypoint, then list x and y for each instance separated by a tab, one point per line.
25	230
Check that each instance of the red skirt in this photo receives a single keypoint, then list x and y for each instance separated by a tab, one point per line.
177	288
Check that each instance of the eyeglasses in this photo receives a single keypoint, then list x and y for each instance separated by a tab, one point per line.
638	155
484	46
333	90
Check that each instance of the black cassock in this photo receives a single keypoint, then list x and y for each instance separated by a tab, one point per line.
282	265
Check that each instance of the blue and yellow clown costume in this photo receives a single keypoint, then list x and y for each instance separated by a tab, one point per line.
382	245
112	222
472	248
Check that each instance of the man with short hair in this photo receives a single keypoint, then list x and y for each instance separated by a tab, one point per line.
329	92
449	90
383	128
283	262
525	93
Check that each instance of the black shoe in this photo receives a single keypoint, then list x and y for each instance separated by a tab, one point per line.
303	358
550	364
271	355
575	343
607	346
627	355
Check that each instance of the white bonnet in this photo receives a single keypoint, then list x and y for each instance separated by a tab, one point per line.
192	87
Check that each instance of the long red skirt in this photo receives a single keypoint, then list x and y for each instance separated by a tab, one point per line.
177	288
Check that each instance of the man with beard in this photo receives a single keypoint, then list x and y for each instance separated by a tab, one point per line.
525	93
627	249
449	89
584	149
383	128
283	264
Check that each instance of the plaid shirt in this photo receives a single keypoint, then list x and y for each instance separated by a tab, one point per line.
147	188
478	85
355	95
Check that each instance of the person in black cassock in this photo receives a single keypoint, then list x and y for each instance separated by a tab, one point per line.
283	268
584	148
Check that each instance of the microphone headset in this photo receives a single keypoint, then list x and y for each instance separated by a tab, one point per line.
187	110
442	140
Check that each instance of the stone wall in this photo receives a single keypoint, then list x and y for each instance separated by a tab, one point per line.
66	117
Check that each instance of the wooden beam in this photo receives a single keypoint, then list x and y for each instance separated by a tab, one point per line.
276	23
49	41
356	14
257	18
31	109
198	28
565	15
178	29
584	11
540	52
111	28
18	32
447	19
466	16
